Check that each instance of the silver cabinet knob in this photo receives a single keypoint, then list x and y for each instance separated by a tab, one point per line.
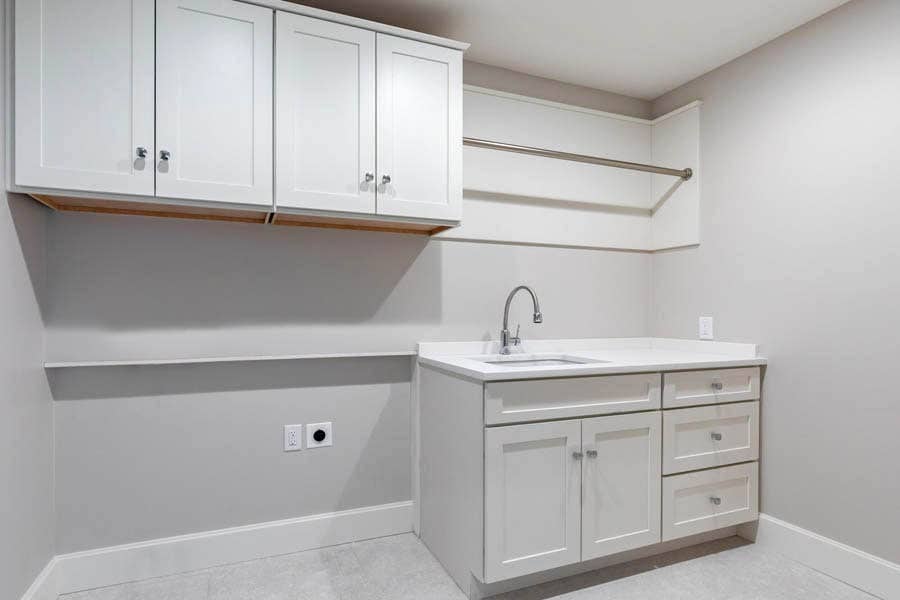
141	152
164	155
385	179
591	454
369	177
717	385
716	436
715	500
577	455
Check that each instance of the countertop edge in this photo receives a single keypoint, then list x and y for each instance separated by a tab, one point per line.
589	370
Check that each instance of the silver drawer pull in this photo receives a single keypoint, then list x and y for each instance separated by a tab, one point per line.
717	385
592	454
141	152
577	455
369	177
715	500
716	436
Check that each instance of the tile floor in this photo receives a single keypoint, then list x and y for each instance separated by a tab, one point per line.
401	568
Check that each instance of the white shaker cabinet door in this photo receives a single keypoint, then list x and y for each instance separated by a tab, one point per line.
84	95
214	101
419	129
532	505
324	115
621	479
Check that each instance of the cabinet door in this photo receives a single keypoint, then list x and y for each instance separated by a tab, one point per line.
532	505
419	129
84	95
324	115
622	479
214	101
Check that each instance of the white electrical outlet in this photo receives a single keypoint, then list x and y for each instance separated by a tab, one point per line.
318	435
293	438
706	328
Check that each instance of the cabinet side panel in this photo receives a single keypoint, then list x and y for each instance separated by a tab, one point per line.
451	468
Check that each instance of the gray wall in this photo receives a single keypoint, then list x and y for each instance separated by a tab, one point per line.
513	82
147	452
146	287
26	435
26	439
144	453
800	253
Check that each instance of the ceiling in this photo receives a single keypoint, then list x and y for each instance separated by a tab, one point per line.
640	48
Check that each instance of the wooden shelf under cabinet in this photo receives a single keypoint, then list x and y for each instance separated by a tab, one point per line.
178	211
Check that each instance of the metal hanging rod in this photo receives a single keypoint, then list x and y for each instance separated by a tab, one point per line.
582	158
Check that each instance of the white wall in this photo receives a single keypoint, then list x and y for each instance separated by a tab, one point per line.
800	253
26	439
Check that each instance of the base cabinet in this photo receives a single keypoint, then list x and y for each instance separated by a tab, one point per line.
708	500
561	492
532	502
620	483
505	494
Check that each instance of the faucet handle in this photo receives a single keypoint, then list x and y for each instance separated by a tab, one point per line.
516	339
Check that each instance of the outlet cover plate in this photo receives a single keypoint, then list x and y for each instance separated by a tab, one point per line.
311	430
293	438
706	328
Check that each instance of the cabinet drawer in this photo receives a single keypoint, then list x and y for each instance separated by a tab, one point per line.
710	436
693	388
537	400
708	500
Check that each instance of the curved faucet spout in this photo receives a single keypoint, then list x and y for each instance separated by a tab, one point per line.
505	338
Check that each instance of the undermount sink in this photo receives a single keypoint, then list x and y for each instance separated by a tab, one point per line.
536	360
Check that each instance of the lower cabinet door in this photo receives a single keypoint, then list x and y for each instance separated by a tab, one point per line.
621	483
532	505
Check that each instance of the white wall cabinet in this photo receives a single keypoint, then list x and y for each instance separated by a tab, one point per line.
532	504
621	481
419	129
171	108
214	101
325	115
84	95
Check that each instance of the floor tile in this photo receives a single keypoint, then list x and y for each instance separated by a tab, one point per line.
192	586
401	568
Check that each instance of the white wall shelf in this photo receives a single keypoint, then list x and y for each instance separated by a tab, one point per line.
217	359
532	197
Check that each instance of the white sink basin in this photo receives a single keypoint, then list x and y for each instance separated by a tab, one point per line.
535	360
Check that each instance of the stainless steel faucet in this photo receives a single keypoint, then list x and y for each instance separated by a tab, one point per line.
505	338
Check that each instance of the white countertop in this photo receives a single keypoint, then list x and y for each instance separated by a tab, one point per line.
619	355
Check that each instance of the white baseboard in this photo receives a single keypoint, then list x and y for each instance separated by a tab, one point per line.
44	585
854	567
79	571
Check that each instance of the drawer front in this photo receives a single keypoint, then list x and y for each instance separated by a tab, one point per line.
694	388
541	399
710	436
708	500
